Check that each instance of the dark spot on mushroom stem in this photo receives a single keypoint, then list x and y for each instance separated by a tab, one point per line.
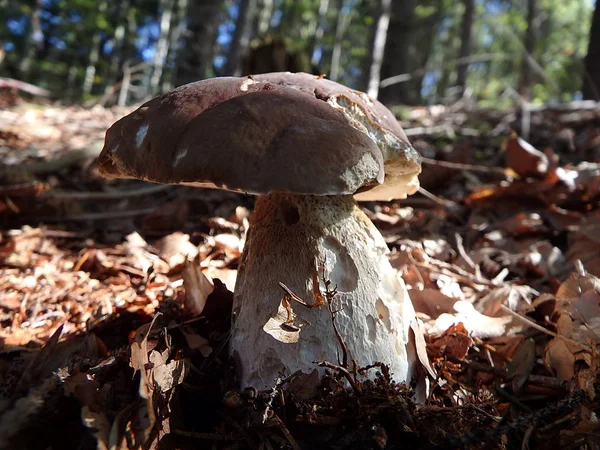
289	214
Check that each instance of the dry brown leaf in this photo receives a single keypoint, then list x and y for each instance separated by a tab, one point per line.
197	342
197	287
285	326
99	426
521	365
421	347
523	158
176	248
455	341
431	302
477	324
305	385
584	243
167	375
559	358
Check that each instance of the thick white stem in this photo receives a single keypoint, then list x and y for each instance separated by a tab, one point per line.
289	235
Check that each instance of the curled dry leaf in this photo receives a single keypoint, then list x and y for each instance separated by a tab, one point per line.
99	426
196	342
455	341
432	302
285	326
524	159
176	249
585	243
197	287
577	317
477	324
421	346
167	374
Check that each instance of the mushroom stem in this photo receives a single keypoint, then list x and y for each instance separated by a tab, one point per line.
289	236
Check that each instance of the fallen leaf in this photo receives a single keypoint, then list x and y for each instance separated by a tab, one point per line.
524	158
176	249
285	326
477	324
197	288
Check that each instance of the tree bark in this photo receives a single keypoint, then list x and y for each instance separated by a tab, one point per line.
591	77
162	46
529	50
195	61
241	37
399	54
466	26
372	70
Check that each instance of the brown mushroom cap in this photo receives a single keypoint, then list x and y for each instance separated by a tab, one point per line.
401	160
273	132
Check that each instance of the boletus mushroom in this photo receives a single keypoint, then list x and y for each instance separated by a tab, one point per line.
308	147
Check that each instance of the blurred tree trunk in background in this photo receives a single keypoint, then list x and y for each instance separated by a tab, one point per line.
317	39
262	18
177	30
240	42
525	78
372	70
162	46
90	70
34	38
466	26
591	77
195	61
343	22
119	41
399	54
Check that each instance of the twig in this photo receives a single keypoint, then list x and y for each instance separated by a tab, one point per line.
286	432
99	216
341	370
532	324
146	190
461	166
463	253
212	436
11	83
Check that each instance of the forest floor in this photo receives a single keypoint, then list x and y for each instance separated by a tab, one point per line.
112	338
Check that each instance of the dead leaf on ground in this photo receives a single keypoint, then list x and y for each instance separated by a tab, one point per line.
523	158
176	249
197	287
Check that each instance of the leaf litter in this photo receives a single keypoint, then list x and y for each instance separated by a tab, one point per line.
115	298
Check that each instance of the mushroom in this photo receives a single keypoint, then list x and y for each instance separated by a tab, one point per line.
307	147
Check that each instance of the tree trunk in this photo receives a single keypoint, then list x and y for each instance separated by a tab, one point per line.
262	19
344	16
466	26
33	40
90	71
591	77
119	40
529	49
399	54
162	46
195	61
372	70
177	29
319	31
241	37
